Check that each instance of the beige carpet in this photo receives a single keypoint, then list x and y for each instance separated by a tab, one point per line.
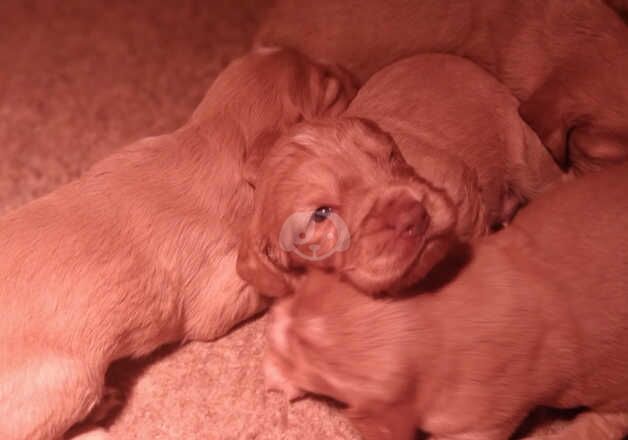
79	79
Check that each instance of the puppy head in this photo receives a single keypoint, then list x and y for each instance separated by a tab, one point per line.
338	195
270	89
331	339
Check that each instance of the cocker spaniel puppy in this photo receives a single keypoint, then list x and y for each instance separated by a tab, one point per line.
536	316
141	250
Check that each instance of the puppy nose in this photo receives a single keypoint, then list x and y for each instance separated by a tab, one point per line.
405	214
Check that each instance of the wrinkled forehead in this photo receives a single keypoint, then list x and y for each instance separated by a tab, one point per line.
301	177
345	136
326	159
342	144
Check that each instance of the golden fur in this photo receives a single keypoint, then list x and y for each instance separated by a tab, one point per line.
352	166
141	250
566	60
458	128
533	315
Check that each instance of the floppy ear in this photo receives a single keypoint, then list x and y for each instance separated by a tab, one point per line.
553	113
339	90
547	111
592	148
328	93
256	153
256	268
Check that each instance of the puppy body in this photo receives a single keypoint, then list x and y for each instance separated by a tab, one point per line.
460	130
565	60
140	251
537	316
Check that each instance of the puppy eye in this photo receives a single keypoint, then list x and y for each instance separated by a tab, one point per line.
321	214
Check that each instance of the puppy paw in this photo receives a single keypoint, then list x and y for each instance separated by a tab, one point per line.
112	399
275	381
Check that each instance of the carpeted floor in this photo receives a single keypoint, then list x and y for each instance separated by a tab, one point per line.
78	79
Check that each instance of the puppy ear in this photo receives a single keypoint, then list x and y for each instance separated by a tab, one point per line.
330	92
591	150
256	268
255	155
552	113
547	112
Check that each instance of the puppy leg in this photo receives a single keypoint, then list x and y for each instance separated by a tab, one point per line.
112	399
43	399
395	422
275	380
592	425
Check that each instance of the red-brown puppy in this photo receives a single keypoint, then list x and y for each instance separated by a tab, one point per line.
141	250
566	60
536	316
338	194
457	127
460	129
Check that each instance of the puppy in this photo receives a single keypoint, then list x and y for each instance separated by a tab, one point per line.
141	250
458	128
537	316
566	60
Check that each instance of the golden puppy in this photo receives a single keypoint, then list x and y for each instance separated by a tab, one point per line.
536	316
338	194
141	250
460	129
566	60
455	125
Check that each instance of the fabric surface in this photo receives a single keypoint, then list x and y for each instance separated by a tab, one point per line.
79	79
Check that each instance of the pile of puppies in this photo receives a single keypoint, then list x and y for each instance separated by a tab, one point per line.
370	213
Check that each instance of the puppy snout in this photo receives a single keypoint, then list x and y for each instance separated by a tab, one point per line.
405	214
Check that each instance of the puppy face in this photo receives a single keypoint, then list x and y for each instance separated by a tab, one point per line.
338	195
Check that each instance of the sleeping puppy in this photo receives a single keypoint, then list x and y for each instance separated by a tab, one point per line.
141	250
566	60
536	316
458	128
